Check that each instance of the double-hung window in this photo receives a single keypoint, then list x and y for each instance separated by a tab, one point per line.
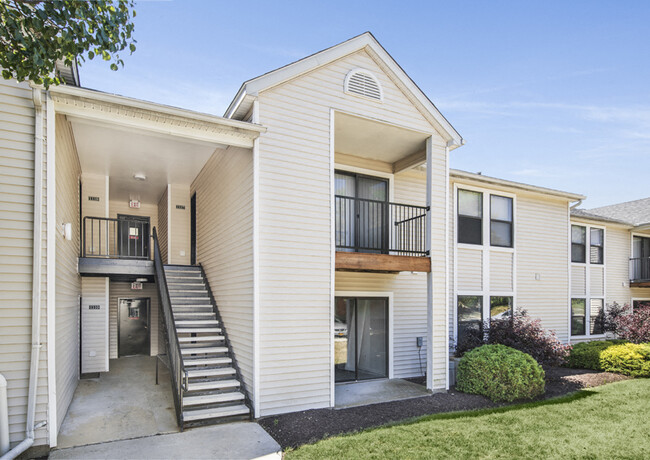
588	310
470	217
500	221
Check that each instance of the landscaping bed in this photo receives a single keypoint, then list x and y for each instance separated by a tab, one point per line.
297	428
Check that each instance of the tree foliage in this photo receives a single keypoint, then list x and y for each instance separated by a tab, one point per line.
36	34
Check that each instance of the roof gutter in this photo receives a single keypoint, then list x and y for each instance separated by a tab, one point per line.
39	118
577	203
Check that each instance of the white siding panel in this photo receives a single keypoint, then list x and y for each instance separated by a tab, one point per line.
224	200
617	255
578	281
501	271
470	270
543	248
94	325
295	226
68	282
179	252
597	281
16	250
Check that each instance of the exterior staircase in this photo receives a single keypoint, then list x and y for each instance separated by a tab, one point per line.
212	391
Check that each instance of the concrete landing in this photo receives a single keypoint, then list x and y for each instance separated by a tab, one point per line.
233	441
376	391
124	403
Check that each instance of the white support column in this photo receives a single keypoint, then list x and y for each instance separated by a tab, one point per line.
430	346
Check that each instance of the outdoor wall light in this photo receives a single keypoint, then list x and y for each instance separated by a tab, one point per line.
66	231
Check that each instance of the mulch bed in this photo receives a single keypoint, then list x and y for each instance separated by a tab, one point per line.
297	428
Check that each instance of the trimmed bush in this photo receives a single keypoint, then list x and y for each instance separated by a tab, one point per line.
629	359
501	373
586	355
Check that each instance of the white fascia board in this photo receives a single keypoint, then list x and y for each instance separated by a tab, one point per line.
98	96
464	175
324	57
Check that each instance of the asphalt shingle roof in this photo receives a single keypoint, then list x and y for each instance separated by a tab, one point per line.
633	213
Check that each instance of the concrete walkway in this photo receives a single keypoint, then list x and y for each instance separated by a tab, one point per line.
231	441
376	391
124	403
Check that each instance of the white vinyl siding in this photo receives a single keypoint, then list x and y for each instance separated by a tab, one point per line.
501	271
541	237
94	325
295	246
179	251
224	201
122	290
94	185
597	281
470	270
68	282
16	251
578	281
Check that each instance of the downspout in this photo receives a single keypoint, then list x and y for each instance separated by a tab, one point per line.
577	203
37	96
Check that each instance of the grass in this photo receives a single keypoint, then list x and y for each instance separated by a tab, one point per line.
608	422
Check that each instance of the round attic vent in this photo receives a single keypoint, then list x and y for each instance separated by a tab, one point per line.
363	83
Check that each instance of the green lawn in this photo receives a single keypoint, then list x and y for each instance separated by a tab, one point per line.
608	422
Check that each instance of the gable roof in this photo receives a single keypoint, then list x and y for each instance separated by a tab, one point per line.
243	101
635	213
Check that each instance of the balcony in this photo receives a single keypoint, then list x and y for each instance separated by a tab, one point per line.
380	236
640	272
118	248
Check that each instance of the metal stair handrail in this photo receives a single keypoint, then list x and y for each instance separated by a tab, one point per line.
178	373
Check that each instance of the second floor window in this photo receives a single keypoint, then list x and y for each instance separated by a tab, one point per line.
596	245
500	221
578	243
470	217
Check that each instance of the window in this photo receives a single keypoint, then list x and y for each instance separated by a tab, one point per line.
578	314
578	243
500	221
470	217
596	245
470	316
500	307
597	316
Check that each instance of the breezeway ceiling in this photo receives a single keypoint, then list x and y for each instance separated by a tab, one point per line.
375	140
121	153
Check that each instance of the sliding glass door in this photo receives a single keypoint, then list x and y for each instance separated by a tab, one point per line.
361	338
361	213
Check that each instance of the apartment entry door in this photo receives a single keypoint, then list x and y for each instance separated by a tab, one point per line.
133	236
361	338
133	330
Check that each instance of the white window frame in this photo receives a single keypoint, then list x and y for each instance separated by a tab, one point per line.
379	294
587	266
486	249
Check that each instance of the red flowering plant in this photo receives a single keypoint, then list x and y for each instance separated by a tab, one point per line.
632	325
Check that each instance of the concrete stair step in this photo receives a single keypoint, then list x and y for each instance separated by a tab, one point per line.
194	361
207	372
197	330
202	350
213	385
197	322
217	412
213	398
201	338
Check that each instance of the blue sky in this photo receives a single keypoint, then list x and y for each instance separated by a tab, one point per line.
552	93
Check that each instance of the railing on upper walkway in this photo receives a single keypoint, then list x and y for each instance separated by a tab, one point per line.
379	227
112	238
640	269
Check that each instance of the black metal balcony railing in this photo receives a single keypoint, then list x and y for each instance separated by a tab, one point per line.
640	269
111	238
379	227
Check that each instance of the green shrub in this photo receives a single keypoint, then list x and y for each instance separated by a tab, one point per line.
630	359
501	373
586	355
